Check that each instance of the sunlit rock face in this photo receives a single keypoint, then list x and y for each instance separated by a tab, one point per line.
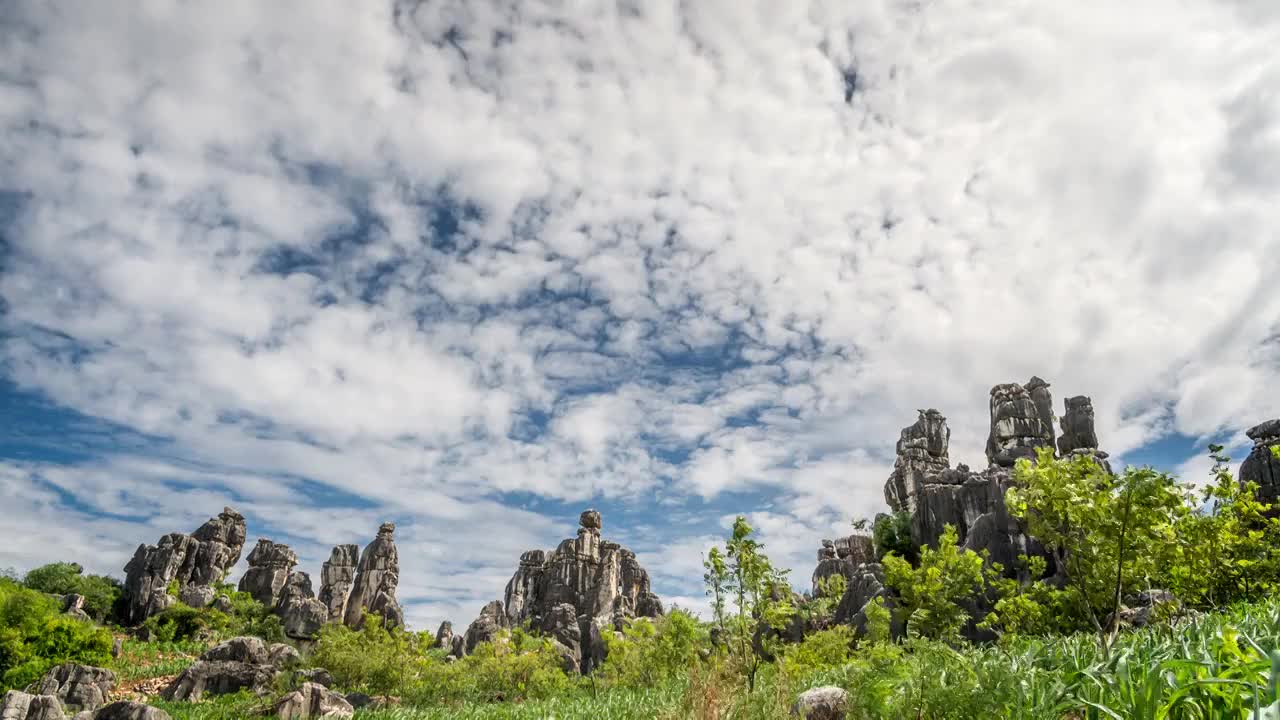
376	579
1021	422
195	562
922	452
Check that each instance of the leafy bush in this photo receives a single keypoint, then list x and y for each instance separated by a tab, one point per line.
63	578
821	650
35	636
892	534
653	651
181	622
932	595
515	666
373	659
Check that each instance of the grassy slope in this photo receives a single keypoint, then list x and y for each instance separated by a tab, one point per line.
1218	666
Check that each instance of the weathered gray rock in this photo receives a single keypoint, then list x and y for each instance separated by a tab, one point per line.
842	556
200	559
822	703
73	605
1261	466
239	663
222	603
922	452
601	580
1021	422
319	676
444	636
127	710
300	612
280	655
1077	426
493	618
79	687
458	647
270	565
562	626
313	700
23	706
375	583
336	579
197	596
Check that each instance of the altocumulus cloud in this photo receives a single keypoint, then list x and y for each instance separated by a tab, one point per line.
473	265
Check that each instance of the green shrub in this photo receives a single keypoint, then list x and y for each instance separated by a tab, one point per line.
63	578
653	651
819	651
181	622
374	659
516	666
35	636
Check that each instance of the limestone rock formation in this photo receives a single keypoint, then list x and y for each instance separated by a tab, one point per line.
200	559
821	703
600	580
444	636
237	664
922	452
374	587
843	556
127	710
336	578
1261	466
493	617
269	566
302	614
73	605
18	705
313	700
1078	436
79	687
1021	421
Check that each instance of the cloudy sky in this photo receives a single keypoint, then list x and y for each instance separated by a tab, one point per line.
474	265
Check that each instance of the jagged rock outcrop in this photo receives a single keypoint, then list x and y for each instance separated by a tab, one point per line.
237	664
493	617
1078	436
270	564
300	612
843	556
1021	422
200	559
336	578
600	580
313	700
1261	466
561	625
444	636
78	687
18	705
922	452
128	710
374	587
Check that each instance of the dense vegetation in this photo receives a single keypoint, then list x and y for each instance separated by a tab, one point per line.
1207	561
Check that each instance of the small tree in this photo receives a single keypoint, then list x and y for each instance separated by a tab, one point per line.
892	534
931	595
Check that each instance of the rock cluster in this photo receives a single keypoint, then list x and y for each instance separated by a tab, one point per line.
272	581
195	562
922	452
79	687
336	578
373	589
242	663
18	705
1021	422
313	700
572	594
1261	466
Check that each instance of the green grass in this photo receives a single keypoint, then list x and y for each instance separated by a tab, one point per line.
1218	666
141	660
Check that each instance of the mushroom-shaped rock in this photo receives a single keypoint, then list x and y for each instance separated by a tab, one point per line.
590	519
126	710
821	703
313	700
80	687
18	705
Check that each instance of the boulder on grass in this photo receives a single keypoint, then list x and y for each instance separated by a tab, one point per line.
821	703
313	700
18	705
127	710
79	687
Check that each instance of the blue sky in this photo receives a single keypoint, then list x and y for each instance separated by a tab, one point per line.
474	266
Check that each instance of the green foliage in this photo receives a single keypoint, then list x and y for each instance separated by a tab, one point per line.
181	622
373	659
892	534
653	651
63	578
148	659
819	651
1105	531
761	595
932	595
515	666
1031	607
822	605
34	637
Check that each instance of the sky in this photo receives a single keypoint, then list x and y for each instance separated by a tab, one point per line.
473	266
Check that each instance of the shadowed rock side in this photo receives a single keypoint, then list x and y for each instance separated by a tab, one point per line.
336	578
374	587
922	452
269	567
195	561
584	587
1261	466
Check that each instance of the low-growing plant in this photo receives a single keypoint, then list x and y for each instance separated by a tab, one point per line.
515	666
374	659
34	637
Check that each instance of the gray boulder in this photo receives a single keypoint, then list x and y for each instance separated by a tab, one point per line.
197	596
270	565
313	700
200	559
79	687
299	610
375	583
562	626
130	711
18	705
822	703
280	655
237	664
